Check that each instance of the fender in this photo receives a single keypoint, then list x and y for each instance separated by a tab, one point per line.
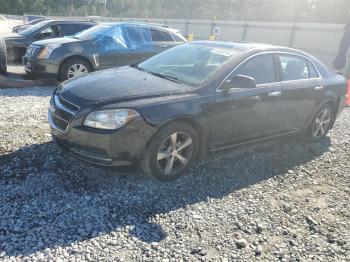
332	101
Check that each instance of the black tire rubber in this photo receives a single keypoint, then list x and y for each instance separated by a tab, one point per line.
63	74
309	136
3	56
148	161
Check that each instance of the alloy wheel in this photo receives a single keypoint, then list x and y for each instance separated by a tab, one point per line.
77	70
322	123
175	153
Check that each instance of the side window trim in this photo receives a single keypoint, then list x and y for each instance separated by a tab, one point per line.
277	67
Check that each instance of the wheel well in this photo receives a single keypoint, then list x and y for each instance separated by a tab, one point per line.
333	104
75	57
202	136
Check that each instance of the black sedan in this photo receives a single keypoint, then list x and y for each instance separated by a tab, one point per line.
20	28
171	109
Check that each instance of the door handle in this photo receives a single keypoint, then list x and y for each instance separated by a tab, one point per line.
255	98
163	46
317	88
275	94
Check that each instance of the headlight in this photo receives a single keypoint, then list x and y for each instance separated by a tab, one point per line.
46	52
110	119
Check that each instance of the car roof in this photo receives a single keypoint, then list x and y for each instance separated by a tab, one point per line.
251	47
239	45
70	21
153	25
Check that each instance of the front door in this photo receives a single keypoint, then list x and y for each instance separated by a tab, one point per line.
249	113
113	48
140	44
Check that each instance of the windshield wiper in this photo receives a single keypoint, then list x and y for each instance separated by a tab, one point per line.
171	78
137	67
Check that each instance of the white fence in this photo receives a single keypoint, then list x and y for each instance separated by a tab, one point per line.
321	40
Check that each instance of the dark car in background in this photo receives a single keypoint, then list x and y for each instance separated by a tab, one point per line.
167	110
3	57
17	44
20	28
101	47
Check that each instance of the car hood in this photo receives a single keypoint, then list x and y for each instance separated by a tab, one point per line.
14	37
60	40
22	27
120	84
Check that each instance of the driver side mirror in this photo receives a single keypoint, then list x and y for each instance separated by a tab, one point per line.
239	81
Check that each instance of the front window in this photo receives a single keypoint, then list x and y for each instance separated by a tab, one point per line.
192	64
139	37
95	32
51	31
261	68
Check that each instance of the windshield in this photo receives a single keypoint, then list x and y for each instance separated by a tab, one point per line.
34	28
192	64
93	32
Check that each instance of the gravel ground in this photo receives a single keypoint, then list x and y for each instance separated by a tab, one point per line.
280	200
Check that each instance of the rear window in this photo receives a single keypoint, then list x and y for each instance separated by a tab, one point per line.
178	38
296	68
71	29
161	36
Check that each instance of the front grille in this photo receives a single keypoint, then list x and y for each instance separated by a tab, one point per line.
68	104
60	123
33	50
61	113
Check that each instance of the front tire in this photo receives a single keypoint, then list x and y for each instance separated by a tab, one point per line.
171	152
321	123
73	68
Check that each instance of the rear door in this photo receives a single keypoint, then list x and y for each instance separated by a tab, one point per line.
162	40
301	88
72	29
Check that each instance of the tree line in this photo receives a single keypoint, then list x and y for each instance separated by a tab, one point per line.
328	11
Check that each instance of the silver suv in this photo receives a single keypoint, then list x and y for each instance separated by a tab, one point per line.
102	46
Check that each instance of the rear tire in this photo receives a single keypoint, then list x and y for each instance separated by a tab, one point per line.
171	152
3	57
321	123
74	67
